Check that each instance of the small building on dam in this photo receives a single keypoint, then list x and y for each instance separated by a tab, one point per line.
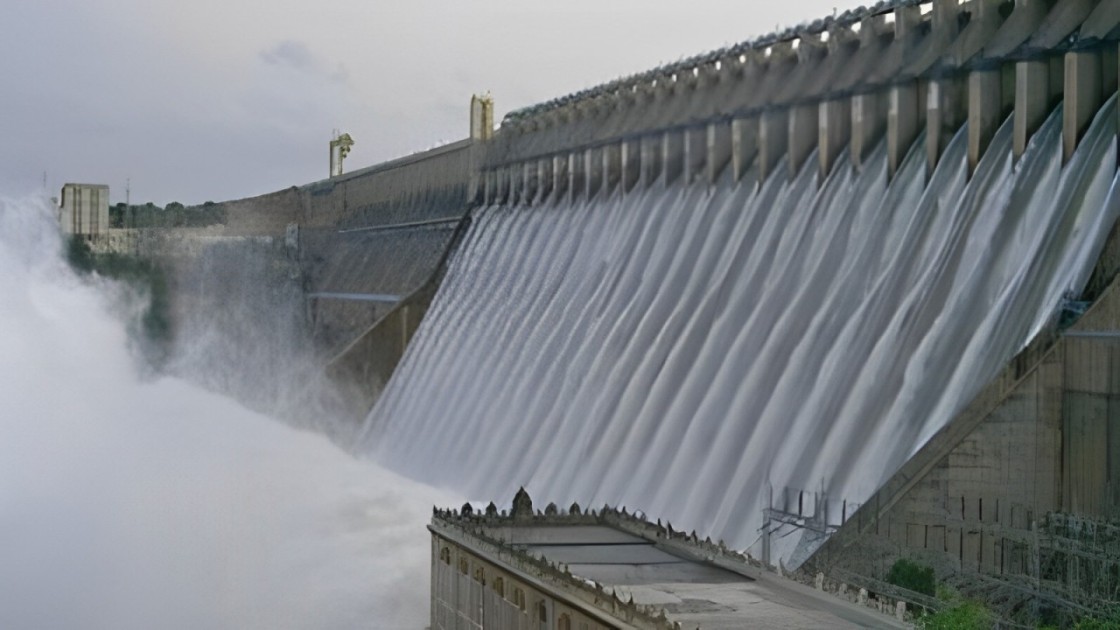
84	210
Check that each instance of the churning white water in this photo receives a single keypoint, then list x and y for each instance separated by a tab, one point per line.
685	349
134	505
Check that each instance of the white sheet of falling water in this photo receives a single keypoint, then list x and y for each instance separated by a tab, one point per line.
682	349
129	505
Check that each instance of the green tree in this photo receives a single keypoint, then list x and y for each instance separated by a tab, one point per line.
79	254
117	215
913	576
968	615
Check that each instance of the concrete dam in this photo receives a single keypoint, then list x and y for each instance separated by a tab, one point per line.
837	296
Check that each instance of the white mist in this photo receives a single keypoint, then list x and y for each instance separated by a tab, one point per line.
128	504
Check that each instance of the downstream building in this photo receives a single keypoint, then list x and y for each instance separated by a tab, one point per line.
609	570
84	209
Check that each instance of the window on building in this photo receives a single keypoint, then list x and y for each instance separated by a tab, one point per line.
464	566
542	612
445	555
519	599
480	575
564	622
500	587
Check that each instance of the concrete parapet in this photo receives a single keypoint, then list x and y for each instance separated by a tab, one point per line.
776	67
863	67
990	99
844	44
1025	19
594	173
805	79
804	134
516	175
891	67
907	21
672	155
544	179
945	113
847	62
577	174
926	45
745	143
835	122
696	141
1063	19
869	124
905	117
505	185
630	156
1101	22
560	176
985	19
532	175
1036	94
650	152
498	190
719	149
612	165
773	139
1083	96
489	186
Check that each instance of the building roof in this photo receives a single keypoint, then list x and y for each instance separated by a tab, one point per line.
662	575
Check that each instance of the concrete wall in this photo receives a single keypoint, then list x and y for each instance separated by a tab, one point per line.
1018	494
378	232
365	365
356	278
469	591
84	209
847	82
841	83
426	186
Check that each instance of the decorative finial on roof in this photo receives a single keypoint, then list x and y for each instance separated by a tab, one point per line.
522	505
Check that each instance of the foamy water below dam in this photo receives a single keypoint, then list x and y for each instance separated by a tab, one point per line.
130	503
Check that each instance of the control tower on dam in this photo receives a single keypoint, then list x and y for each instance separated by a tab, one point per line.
839	296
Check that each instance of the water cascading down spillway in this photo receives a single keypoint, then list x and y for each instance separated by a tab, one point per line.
698	351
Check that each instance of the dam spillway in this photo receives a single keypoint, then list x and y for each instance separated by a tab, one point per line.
754	289
697	349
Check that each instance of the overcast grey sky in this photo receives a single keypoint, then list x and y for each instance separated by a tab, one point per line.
218	99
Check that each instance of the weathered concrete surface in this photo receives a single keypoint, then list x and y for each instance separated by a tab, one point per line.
1015	493
344	267
364	365
954	61
618	571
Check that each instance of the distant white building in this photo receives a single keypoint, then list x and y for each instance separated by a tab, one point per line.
84	209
